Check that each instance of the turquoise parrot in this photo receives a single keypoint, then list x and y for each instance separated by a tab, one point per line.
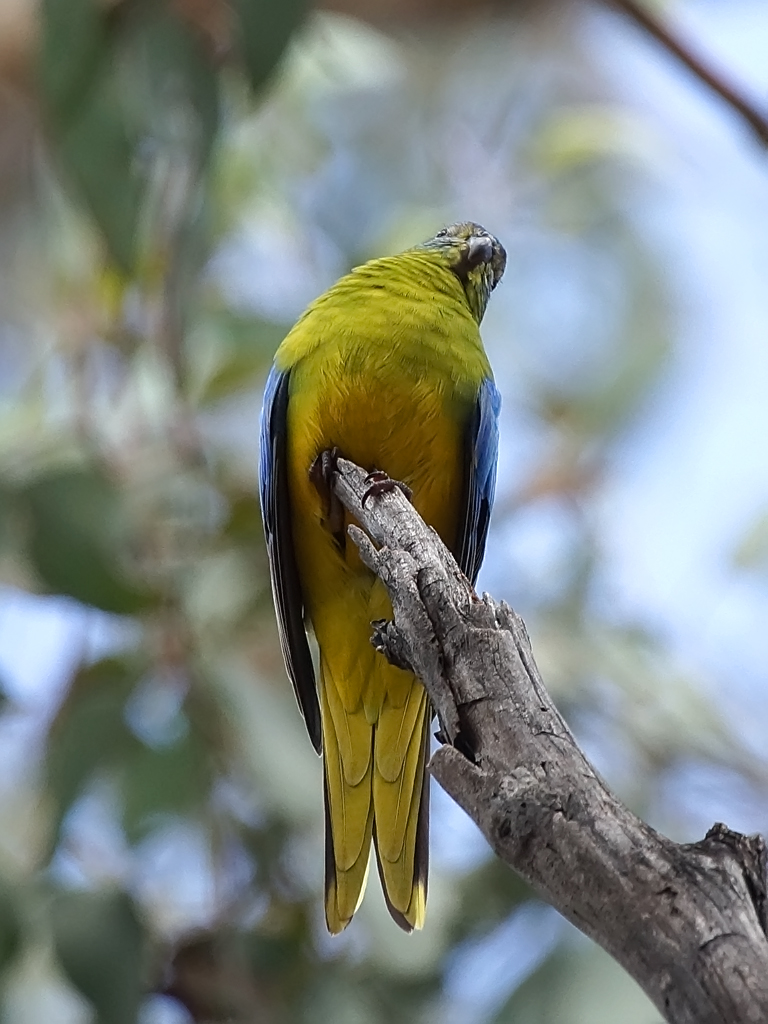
388	369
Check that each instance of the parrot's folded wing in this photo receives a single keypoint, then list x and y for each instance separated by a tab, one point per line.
480	451
286	588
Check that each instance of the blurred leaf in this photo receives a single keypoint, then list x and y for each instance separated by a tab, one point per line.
72	517
98	154
79	78
579	984
488	895
275	953
346	1003
220	590
72	48
574	135
99	942
645	343
267	845
169	780
90	733
265	28
10	926
6	510
397	995
238	372
752	552
244	346
179	89
244	522
116	80
210	976
599	403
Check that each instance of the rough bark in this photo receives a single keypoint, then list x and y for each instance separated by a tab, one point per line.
688	922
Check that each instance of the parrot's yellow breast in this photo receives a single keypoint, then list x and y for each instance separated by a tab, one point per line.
386	368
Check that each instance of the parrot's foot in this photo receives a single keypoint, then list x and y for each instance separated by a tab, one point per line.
379	483
321	474
388	640
322	470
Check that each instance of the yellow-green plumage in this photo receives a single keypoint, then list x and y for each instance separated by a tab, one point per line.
386	367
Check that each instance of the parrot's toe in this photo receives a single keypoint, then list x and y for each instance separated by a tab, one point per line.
380	483
321	474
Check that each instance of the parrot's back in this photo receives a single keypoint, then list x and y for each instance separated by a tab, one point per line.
386	368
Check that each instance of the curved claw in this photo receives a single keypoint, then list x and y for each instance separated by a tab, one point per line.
321	473
380	483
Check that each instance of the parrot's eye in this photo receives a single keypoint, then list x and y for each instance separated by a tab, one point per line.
442	233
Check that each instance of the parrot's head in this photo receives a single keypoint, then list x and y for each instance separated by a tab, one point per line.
475	257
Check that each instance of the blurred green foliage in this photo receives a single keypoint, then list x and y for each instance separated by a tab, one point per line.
166	840
73	519
99	943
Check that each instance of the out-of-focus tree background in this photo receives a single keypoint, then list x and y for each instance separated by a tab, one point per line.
177	180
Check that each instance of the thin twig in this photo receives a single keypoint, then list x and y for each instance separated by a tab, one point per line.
641	15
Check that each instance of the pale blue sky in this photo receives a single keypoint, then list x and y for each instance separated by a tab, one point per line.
694	474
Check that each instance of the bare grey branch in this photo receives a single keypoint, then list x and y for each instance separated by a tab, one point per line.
686	921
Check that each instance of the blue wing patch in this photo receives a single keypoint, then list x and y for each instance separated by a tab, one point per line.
286	588
480	454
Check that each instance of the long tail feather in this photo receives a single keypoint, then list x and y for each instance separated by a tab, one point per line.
401	825
348	816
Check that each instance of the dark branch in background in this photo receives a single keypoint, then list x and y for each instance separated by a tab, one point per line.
687	922
642	16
